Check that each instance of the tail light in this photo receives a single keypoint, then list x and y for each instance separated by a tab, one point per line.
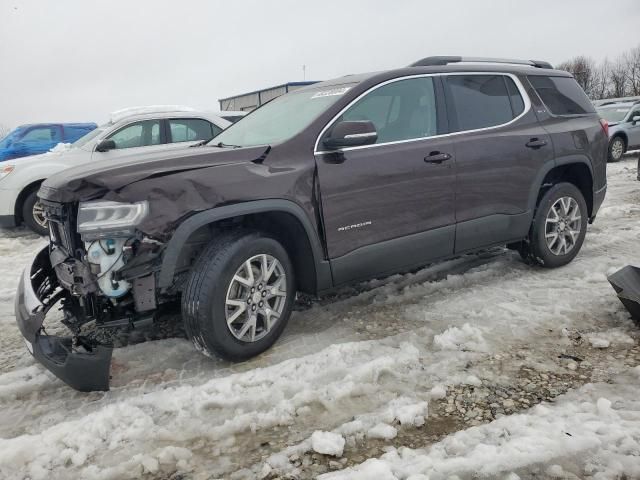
605	126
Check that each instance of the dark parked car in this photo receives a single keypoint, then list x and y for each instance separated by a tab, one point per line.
40	138
345	180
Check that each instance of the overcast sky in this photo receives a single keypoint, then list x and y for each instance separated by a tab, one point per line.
77	60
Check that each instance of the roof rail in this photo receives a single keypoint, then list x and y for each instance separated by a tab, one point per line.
445	60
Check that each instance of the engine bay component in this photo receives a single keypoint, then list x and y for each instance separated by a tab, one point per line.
106	257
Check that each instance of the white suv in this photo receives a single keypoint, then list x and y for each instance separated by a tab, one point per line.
130	132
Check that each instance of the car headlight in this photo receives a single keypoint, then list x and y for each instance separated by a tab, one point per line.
104	218
6	170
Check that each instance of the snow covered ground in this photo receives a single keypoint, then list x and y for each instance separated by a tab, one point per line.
456	371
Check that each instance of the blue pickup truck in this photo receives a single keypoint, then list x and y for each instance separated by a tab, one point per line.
40	137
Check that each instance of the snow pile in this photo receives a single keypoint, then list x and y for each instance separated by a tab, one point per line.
327	443
216	411
594	432
61	147
465	338
123	113
382	431
610	337
438	392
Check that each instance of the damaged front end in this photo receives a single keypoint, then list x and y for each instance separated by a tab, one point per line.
103	281
80	363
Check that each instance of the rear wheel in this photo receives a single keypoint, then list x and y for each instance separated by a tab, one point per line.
617	146
239	296
33	214
558	229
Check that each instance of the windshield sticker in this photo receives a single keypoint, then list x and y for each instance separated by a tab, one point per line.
332	92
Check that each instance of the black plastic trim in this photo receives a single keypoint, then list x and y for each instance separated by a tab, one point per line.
492	230
395	255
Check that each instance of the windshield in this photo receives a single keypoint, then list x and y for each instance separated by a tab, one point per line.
614	113
11	137
82	141
282	118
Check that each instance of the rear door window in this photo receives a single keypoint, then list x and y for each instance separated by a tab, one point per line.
561	95
191	129
481	101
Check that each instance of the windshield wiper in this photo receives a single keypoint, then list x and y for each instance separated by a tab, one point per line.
226	145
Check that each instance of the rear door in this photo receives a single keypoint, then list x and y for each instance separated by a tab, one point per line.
499	149
388	206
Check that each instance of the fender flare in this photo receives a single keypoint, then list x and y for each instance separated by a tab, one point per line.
536	185
193	223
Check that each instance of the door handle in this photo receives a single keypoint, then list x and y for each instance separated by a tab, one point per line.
437	157
536	143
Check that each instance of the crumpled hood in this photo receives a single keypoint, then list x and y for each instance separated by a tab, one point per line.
94	180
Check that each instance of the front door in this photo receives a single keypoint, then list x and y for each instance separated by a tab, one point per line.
135	138
390	205
634	129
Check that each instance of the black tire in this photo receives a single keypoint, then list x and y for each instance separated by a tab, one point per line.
617	147
534	249
203	299
28	215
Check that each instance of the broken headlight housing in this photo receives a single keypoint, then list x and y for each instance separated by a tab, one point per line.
99	219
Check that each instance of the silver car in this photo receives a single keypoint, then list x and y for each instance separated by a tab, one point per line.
623	116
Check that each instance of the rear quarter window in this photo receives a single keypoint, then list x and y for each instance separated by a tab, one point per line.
561	95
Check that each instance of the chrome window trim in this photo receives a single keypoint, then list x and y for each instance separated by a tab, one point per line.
516	80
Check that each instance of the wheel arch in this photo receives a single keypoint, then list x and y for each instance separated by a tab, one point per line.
283	219
575	170
622	134
24	193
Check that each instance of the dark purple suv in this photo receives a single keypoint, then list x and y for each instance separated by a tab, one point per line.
345	180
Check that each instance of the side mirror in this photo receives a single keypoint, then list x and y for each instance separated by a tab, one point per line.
351	134
635	119
106	145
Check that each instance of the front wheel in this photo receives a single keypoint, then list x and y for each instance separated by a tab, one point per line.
239	296
616	149
558	229
33	214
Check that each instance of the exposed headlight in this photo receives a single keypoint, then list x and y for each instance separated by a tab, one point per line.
102	218
6	170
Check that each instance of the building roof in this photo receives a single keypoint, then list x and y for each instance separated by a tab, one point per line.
288	84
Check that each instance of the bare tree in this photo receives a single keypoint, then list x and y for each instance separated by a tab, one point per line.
583	70
618	79
631	61
601	87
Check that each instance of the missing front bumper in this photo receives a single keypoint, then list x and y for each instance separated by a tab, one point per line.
38	291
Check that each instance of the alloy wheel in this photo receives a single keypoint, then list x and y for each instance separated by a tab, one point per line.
617	149
256	298
38	214
563	225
